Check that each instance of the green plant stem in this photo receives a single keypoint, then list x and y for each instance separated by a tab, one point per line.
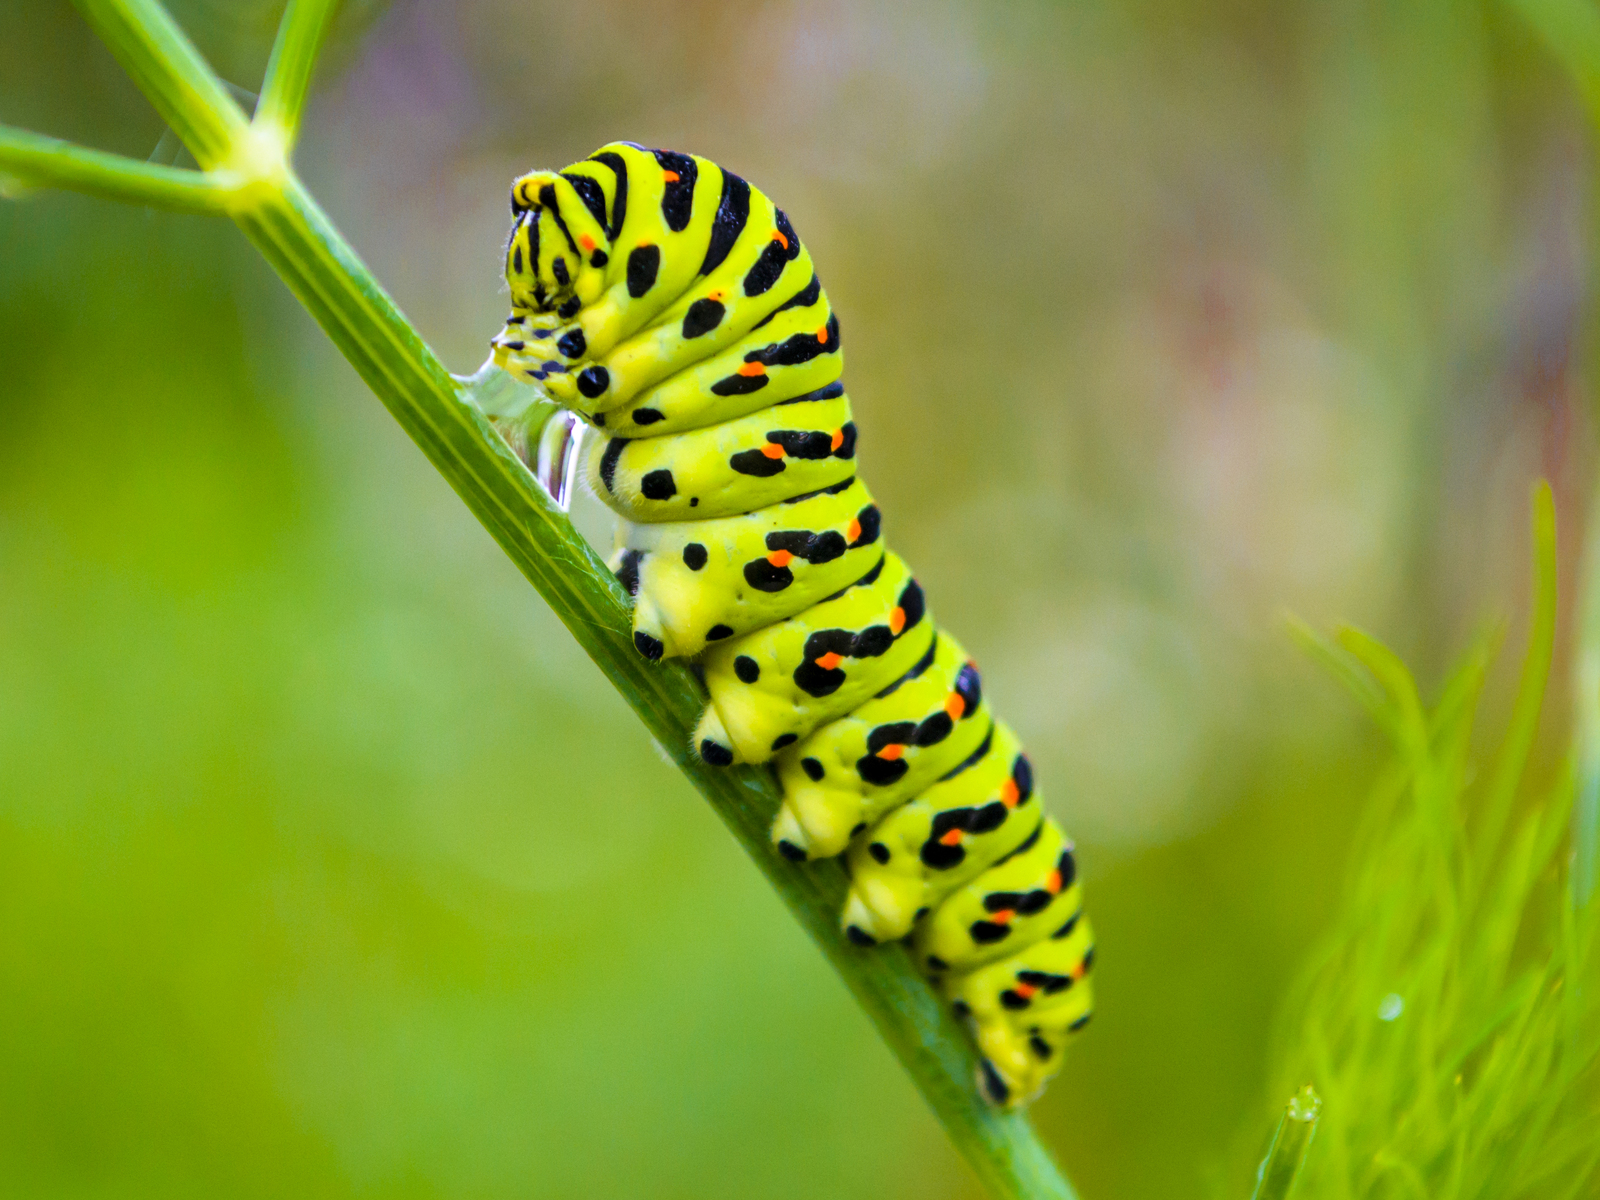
38	161
294	54
1289	1145
286	225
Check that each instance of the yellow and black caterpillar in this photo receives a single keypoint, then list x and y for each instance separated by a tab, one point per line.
672	306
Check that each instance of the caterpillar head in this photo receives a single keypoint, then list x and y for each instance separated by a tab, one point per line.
557	252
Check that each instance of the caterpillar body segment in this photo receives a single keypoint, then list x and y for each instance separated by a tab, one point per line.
1023	1008
704	581
977	813
851	771
760	459
673	307
726	386
771	687
1020	900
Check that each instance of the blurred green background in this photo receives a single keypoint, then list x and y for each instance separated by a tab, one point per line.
329	866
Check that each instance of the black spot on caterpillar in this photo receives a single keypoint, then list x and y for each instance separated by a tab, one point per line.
644	262
658	485
703	316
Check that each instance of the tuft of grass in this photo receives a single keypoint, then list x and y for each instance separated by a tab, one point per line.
1448	1020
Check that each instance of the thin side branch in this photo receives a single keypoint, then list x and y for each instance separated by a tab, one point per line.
305	23
161	59
35	160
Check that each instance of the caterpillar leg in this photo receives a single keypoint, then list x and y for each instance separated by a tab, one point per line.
651	636
712	741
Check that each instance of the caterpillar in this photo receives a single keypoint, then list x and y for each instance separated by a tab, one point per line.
672	307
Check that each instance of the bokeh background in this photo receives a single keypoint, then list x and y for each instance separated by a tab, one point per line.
329	866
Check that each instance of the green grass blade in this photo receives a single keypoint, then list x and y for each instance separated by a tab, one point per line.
1281	1167
1513	757
1349	671
1411	722
1458	699
1586	714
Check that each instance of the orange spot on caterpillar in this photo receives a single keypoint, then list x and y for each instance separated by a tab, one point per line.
1052	883
752	369
777	236
852	531
645	244
891	753
897	620
1009	793
780	558
772	450
1078	971
954	706
837	440
1025	990
719	295
951	838
586	242
822	335
1003	917
670	176
830	660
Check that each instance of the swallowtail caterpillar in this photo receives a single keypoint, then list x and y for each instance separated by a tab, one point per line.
672	308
